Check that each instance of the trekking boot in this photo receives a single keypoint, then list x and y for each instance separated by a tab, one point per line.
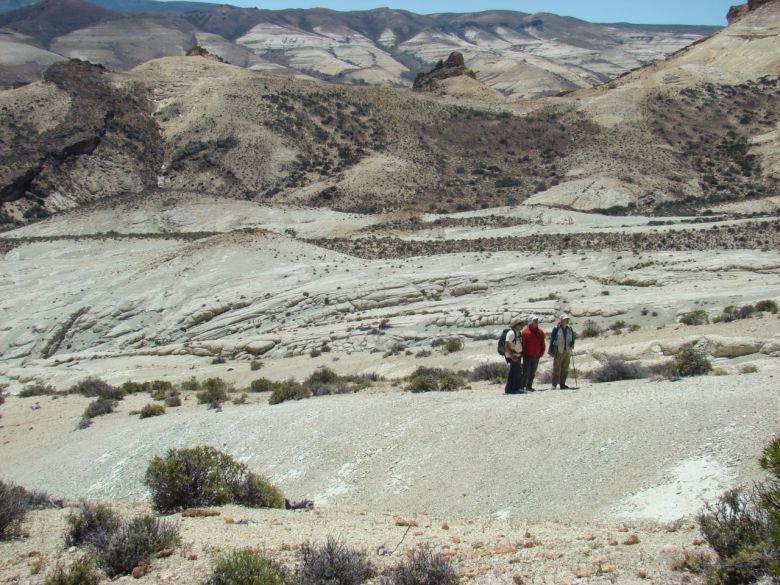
565	387
554	386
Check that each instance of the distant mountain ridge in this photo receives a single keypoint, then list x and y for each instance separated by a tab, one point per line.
520	55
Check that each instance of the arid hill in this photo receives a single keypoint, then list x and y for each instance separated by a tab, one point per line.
517	54
692	133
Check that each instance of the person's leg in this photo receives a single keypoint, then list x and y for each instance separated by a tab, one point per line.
556	372
533	363
513	378
564	367
524	371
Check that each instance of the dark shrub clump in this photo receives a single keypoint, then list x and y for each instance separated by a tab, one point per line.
767	307
14	506
590	329
205	476
132	544
99	407
334	563
89	523
614	370
434	380
421	567
95	387
246	567
37	390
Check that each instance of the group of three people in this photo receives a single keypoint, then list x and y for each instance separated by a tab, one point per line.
525	345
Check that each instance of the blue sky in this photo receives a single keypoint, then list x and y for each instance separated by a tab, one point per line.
712	12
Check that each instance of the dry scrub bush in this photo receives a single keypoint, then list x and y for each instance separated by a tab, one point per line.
434	380
590	329
81	572
744	528
152	410
690	562
696	317
99	407
333	563
133	543
614	370
421	567
15	502
95	387
689	362
493	372
91	520
288	390
37	389
214	392
14	506
205	476
246	567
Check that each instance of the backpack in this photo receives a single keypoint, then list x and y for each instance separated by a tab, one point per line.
502	342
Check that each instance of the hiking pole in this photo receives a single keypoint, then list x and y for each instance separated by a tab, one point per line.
574	367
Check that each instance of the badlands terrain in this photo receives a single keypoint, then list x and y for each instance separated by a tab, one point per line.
190	218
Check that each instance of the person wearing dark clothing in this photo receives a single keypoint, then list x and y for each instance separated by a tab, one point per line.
562	339
533	350
513	355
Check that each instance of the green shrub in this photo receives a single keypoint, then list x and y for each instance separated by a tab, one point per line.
744	528
241	399
152	410
618	326
590	329
767	307
696	317
333	563
325	381
453	344
246	567
90	521
95	387
732	313
81	572
494	372
689	362
614	370
214	392
262	385
159	389
191	385
255	365
131	387
133	543
99	407
288	390
205	476
421	567
434	380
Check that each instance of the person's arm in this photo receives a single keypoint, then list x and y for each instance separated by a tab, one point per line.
553	335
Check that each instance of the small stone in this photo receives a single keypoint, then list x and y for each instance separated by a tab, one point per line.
192	557
641	573
633	539
445	526
139	572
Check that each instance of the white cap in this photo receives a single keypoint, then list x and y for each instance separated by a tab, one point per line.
564	316
532	318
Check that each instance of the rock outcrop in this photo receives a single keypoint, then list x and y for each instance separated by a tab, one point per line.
198	51
454	66
737	12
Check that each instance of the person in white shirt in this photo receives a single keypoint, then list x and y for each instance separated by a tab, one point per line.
513	350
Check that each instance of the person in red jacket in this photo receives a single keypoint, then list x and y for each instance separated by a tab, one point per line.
533	349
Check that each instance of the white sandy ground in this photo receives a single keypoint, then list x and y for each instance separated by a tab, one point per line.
546	486
558	472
